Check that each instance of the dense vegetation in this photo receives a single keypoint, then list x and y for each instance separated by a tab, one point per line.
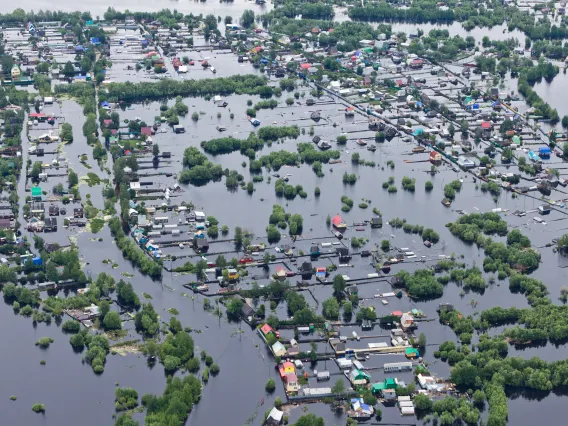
239	84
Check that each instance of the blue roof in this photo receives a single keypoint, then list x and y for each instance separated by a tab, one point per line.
544	149
105	103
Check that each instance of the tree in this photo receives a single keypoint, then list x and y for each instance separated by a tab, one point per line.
234	307
238	237
565	121
66	133
155	150
270	385
310	420
72	178
423	403
247	19
69	70
71	326
331	308
422	340
37	168
385	245
126	295
112	321
338	387
77	341
562	244
452	130
339	284
464	127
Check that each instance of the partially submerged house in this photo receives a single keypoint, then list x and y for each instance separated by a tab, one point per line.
339	223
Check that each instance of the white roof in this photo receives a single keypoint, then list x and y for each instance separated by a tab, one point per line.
199	214
276	414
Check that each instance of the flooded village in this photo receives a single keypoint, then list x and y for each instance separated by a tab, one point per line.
302	213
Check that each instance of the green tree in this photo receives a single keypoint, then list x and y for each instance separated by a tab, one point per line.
270	385
112	321
339	284
330	308
338	387
73	179
234	307
247	19
69	70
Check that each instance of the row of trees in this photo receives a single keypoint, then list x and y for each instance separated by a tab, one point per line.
239	84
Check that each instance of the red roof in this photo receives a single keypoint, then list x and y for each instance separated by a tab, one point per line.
146	131
485	125
291	378
305	66
435	154
337	220
107	122
397	313
37	115
266	329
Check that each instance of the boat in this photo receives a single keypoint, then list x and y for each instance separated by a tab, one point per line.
181	245
316	116
323	145
310	102
213	70
361	142
371	148
386	268
418	149
254	121
221	128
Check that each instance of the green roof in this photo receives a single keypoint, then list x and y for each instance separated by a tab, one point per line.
36	191
410	351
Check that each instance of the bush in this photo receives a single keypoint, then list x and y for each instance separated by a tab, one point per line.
71	326
38	408
44	342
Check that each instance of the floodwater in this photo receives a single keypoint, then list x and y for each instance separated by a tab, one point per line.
99	7
236	395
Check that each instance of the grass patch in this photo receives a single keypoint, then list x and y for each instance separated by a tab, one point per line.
93	179
96	225
146	296
173	311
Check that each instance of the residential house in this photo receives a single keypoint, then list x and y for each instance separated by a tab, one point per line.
339	223
292	384
306	269
343	253
288	367
359	377
406	321
278	349
266	330
376	222
275	417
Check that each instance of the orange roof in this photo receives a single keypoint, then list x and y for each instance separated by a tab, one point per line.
305	66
